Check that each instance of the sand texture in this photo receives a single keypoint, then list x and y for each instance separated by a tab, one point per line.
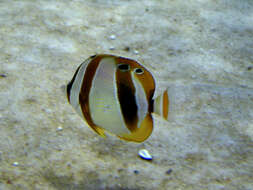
201	50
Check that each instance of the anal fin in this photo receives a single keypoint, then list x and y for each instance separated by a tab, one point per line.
141	133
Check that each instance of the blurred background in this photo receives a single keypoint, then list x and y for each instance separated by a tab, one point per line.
202	51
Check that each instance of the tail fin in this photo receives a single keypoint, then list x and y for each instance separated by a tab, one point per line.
161	105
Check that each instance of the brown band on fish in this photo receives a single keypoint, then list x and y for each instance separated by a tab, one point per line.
126	95
165	104
85	89
147	81
142	133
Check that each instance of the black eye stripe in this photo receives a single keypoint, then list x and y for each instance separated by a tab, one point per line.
123	67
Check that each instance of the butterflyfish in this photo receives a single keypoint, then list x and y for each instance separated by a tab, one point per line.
115	94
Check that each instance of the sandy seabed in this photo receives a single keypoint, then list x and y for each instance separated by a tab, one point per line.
202	51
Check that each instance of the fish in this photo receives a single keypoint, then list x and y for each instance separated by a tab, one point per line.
115	94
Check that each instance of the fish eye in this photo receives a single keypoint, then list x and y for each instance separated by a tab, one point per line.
138	71
123	67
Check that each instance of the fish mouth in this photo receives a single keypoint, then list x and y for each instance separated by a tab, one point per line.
69	85
67	89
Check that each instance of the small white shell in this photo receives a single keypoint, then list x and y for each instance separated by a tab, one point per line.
144	154
59	128
136	52
111	48
15	163
112	37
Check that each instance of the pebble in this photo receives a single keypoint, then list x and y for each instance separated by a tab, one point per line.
112	48
144	154
15	163
136	52
48	111
2	76
120	170
112	37
59	128
127	48
194	76
168	172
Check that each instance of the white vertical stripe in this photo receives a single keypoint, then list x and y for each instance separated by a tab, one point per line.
140	98
103	100
76	87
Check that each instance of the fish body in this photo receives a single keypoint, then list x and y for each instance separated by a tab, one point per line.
115	94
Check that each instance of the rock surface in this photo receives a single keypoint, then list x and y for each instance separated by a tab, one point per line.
201	50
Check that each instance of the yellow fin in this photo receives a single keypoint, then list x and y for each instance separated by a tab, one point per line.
99	130
161	105
141	133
